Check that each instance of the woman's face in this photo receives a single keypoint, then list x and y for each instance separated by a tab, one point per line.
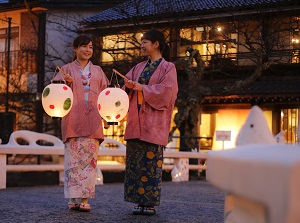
84	52
148	48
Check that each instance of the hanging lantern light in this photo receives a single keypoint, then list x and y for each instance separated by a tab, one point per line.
99	176
113	104
57	99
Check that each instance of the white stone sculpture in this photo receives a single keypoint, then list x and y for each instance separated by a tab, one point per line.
255	130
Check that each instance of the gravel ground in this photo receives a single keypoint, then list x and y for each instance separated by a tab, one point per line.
195	202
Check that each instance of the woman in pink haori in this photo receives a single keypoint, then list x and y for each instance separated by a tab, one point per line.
152	89
82	130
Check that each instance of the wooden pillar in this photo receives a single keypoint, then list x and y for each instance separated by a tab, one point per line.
174	43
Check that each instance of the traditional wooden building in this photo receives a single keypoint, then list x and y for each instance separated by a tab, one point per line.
244	53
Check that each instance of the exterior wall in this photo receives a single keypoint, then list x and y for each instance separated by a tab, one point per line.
28	31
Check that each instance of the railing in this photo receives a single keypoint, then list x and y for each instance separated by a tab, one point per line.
230	59
203	143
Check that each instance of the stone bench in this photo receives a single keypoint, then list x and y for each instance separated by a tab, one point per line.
261	182
180	168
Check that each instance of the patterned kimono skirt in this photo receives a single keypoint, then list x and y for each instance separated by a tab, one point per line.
80	164
143	174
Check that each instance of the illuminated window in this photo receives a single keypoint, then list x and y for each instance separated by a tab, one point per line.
121	47
289	123
14	42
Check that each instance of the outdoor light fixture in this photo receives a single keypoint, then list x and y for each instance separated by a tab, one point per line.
176	174
200	29
295	40
57	99
113	104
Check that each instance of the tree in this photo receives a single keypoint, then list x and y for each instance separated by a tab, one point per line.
265	38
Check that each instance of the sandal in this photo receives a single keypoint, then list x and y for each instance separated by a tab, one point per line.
84	207
138	209
73	206
149	211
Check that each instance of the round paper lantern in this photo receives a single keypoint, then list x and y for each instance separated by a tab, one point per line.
57	99
113	104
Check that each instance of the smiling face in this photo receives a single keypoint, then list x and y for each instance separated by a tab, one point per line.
84	52
148	48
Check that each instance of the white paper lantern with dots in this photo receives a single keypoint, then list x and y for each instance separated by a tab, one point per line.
113	104
57	99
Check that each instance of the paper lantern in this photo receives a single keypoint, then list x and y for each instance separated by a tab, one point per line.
113	104
57	99
176	174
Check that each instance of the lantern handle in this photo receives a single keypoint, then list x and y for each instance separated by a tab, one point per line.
121	75
110	82
61	71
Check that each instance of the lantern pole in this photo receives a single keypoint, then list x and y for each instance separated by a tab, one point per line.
41	71
8	63
40	75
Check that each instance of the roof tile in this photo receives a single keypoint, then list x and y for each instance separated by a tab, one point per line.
133	8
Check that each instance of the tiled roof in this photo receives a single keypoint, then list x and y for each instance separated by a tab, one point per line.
130	9
264	90
272	91
264	86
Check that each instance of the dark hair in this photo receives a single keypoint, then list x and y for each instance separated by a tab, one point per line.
81	40
155	35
